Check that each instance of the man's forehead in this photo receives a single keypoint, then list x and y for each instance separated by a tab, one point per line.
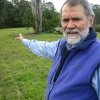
76	10
72	17
76	7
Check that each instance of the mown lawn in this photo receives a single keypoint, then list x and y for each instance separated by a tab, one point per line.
98	35
23	75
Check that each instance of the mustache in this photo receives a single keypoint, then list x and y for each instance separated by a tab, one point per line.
72	30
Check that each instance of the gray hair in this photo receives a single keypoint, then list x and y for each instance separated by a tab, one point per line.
87	7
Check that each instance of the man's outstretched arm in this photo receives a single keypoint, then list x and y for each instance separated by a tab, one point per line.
40	48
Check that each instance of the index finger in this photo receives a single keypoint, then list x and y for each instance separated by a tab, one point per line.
20	34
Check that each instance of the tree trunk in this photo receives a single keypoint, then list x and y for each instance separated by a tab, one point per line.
37	11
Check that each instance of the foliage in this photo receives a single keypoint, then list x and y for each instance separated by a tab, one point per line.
18	13
27	18
97	28
96	9
50	18
4	5
15	14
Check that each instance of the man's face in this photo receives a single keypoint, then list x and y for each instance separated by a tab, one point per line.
75	23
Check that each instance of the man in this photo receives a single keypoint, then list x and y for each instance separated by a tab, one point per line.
75	74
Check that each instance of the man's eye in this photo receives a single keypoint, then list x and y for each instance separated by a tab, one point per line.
76	19
65	20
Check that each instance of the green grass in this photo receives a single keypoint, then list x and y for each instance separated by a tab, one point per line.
23	75
98	34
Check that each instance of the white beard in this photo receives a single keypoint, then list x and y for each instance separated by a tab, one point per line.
73	39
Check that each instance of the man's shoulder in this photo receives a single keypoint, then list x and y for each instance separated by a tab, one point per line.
97	41
97	45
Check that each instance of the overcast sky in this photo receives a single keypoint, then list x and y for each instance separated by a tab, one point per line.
58	3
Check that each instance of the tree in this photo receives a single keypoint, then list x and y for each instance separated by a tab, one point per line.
25	13
3	15
50	17
27	18
96	9
22	15
37	11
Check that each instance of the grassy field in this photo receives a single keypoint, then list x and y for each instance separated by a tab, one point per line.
23	75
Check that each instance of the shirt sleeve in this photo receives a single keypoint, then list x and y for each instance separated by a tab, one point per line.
96	81
42	48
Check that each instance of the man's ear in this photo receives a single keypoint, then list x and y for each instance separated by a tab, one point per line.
91	18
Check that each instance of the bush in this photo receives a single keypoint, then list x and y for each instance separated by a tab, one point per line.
58	30
97	28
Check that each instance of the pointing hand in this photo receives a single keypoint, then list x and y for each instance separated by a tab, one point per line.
20	37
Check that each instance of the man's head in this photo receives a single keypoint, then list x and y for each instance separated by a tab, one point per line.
76	19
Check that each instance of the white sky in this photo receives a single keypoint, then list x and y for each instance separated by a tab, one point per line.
59	3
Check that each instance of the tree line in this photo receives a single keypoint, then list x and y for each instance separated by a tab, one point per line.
19	13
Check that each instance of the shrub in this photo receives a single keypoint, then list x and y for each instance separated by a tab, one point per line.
58	30
97	28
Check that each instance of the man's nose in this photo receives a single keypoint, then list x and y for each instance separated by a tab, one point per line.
70	25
